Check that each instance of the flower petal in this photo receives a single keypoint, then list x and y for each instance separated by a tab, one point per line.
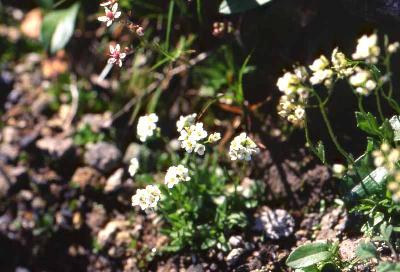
114	7
103	18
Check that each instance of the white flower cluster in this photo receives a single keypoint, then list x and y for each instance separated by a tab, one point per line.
393	47
340	64
362	81
321	72
242	148
146	126
291	104
176	174
192	135
147	198
367	49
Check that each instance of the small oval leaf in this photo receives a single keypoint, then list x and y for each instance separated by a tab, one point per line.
308	255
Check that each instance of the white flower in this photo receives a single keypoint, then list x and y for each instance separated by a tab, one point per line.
190	136
214	137
319	64
116	56
367	49
147	198
242	148
363	81
176	174
185	121
110	15
288	83
393	47
320	76
146	126
133	167
338	170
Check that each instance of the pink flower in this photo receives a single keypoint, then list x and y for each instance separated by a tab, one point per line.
111	15
116	56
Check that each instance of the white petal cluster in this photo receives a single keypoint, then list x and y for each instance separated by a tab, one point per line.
340	64
147	198
291	104
116	56
393	47
110	15
362	81
146	126
175	175
242	148
367	49
214	137
191	136
321	72
185	121
133	167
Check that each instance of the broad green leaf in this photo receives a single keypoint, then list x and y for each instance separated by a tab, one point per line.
371	184
308	255
312	268
388	267
366	250
368	123
58	27
387	131
386	232
395	124
237	6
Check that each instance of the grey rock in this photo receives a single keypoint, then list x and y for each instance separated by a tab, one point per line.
114	181
10	135
235	241
8	153
55	147
234	256
195	268
103	156
133	151
276	224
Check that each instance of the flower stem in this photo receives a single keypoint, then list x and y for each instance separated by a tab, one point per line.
378	104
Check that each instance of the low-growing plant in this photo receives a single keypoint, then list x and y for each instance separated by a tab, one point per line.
370	183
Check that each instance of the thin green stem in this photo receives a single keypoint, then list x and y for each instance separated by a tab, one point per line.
169	22
360	103
378	105
331	133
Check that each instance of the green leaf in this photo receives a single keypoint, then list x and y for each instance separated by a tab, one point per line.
388	267
237	6
58	27
308	255
387	131
386	231
368	123
366	250
312	268
371	184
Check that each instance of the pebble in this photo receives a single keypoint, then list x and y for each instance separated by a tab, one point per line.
114	181
103	156
276	224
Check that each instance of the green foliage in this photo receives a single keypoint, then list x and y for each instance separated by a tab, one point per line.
366	250
58	27
307	256
388	267
85	135
238	6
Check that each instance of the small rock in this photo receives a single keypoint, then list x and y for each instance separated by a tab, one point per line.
133	151
110	229
276	224
4	184
234	256
87	176
235	241
195	268
114	181
10	135
8	153
332	224
57	148
103	156
96	218
96	122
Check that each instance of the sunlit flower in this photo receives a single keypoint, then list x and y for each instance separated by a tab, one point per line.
322	76
190	137
242	148
185	121
133	167
110	15
175	175
288	83
393	47
319	64
116	56
362	81
147	198
214	137
146	126
338	170
340	64
367	49
386	157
